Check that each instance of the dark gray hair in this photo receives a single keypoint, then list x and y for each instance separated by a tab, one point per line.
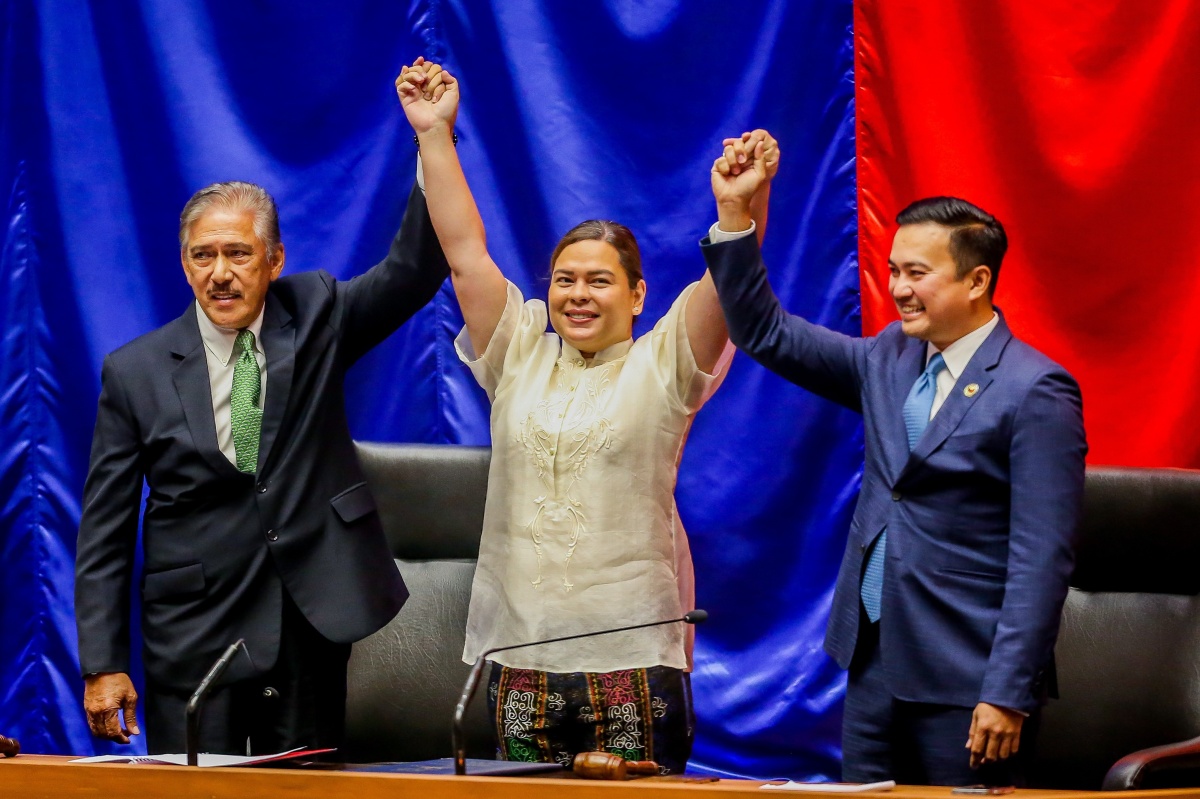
235	195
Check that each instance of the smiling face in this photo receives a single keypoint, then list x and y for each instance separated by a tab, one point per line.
591	303
935	304
227	266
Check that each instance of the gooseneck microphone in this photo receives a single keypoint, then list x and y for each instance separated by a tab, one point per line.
194	704
460	757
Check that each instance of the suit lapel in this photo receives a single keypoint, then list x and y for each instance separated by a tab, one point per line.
978	374
279	344
195	392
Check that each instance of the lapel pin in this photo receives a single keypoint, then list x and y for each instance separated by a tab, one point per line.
971	390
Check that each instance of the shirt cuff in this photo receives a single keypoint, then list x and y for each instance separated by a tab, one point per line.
420	174
716	235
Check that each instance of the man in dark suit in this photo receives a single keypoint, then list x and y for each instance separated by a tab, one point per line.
258	523
949	596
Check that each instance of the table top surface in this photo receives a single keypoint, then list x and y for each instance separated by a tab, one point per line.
55	776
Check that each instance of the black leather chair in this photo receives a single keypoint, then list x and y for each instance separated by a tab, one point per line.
405	680
1128	653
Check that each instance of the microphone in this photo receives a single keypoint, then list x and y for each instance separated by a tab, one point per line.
696	616
194	704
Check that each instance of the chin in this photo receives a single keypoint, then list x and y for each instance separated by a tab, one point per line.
582	345
915	329
227	319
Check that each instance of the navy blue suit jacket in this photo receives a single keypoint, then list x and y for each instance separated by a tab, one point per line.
220	546
980	516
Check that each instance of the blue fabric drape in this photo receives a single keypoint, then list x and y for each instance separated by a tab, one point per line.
114	112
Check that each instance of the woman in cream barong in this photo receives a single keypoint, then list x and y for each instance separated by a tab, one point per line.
580	530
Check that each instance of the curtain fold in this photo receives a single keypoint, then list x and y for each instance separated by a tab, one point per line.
116	112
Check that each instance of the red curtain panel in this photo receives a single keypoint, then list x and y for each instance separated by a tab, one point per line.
1077	123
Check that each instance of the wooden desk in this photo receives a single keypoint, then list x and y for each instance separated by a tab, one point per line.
38	776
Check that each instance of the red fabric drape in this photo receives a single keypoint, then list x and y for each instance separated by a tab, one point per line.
1077	123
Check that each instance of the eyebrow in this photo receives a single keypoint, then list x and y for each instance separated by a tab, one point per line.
201	247
590	273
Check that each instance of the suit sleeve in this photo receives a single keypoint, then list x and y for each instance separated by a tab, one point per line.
826	362
378	301
108	533
1046	462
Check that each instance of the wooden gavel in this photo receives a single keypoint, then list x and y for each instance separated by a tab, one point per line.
606	766
9	747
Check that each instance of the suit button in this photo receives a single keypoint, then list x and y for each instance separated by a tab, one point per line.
262	488
862	547
896	495
272	535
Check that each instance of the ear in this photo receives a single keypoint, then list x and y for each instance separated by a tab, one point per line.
639	297
980	281
277	265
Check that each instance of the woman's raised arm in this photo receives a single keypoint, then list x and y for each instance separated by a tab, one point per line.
430	98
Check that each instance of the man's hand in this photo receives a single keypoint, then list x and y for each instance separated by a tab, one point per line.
736	176
739	151
111	704
429	96
995	734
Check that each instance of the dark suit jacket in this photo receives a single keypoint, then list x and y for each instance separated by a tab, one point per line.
219	546
980	516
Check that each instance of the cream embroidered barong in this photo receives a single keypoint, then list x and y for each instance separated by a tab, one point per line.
581	531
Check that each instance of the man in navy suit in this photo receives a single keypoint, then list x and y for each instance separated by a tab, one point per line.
949	596
258	523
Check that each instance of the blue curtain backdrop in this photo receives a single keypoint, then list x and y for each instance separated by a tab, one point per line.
114	112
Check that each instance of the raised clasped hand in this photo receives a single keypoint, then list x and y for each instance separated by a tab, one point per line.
428	94
739	151
739	171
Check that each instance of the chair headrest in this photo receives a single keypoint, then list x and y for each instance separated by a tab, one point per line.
430	497
1140	531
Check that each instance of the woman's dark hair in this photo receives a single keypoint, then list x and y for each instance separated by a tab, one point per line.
620	237
976	237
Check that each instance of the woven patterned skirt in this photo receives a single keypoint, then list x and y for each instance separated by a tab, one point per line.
639	714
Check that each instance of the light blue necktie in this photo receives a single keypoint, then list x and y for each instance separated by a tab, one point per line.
916	419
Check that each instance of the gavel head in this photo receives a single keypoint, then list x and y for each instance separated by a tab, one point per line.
607	766
600	766
9	747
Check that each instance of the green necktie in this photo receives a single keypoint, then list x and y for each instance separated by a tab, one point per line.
244	414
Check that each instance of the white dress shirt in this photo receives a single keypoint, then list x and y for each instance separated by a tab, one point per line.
219	345
957	356
580	531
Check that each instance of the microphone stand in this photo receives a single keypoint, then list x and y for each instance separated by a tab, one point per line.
460	757
194	704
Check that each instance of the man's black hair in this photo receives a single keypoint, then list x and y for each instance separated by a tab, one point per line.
976	237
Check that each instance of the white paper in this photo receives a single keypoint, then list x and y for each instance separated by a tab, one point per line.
832	787
204	760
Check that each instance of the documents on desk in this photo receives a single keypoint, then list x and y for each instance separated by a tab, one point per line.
831	787
206	760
